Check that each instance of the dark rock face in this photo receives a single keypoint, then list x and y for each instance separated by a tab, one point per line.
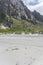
16	8
38	16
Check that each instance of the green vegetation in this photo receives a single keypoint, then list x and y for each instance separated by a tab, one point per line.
20	26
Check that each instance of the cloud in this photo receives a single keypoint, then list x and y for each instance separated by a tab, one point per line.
38	7
35	5
34	2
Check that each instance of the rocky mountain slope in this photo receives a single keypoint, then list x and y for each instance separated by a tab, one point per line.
14	8
18	10
38	16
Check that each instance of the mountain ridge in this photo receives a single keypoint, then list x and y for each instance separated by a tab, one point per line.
18	10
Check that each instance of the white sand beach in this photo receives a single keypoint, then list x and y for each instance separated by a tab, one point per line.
21	49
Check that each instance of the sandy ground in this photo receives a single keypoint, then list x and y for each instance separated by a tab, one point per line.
21	49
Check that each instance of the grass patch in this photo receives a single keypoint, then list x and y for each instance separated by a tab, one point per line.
20	26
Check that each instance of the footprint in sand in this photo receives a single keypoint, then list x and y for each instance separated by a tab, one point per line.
11	49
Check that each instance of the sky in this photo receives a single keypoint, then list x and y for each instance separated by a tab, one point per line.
34	5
